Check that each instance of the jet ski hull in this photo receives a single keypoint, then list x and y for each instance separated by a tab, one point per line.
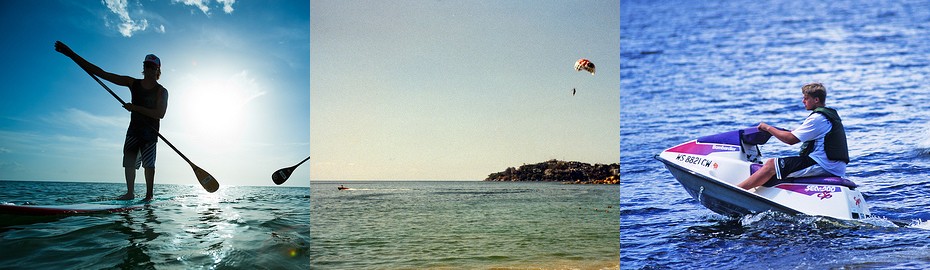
719	197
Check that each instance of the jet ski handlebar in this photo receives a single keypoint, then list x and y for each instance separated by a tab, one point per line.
754	136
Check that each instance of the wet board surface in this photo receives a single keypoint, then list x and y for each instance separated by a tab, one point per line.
67	209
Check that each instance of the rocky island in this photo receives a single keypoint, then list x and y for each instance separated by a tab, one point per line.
570	172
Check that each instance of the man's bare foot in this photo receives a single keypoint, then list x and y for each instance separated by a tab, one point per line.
127	196
147	198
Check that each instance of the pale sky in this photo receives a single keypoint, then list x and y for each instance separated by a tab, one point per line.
455	90
237	73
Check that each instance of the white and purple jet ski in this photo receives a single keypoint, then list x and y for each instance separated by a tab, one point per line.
710	167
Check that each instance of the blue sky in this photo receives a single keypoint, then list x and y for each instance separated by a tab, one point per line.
237	73
455	90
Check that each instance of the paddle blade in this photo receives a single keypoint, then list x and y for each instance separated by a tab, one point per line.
281	175
206	180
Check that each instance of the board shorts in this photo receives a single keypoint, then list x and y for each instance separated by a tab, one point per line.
138	152
796	167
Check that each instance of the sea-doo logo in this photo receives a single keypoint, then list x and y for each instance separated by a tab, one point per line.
822	192
820	188
694	160
725	147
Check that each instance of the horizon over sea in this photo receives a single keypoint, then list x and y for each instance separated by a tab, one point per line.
696	68
182	227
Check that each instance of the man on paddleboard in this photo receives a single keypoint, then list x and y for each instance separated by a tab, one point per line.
824	151
148	106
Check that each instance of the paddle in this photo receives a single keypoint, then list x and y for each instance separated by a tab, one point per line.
281	175
206	180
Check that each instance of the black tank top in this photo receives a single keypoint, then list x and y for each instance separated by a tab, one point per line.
141	126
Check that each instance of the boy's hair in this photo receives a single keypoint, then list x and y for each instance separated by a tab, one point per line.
816	90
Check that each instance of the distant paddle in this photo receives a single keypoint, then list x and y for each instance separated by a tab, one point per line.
206	180
281	175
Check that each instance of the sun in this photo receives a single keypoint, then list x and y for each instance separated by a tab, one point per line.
216	106
215	111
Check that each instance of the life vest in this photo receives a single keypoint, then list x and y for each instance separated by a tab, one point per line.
834	143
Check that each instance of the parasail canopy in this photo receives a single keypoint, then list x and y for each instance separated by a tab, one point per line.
584	64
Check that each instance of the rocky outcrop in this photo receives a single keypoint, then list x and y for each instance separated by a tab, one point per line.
561	171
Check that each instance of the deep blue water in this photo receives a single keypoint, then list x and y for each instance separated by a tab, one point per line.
694	68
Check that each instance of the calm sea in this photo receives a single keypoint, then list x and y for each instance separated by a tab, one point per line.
183	228
693	68
464	225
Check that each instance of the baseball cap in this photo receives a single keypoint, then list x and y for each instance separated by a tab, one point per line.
151	58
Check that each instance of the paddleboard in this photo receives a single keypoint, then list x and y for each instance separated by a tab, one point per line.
67	209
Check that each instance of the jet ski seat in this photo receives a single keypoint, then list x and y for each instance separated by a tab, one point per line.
815	180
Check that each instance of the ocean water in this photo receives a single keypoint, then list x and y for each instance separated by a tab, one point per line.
694	68
464	225
184	227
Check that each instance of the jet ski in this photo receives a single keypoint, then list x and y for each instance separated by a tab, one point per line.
710	168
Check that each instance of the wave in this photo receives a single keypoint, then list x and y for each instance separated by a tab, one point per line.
625	210
921	224
907	65
922	152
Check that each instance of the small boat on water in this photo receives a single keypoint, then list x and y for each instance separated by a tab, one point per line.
341	187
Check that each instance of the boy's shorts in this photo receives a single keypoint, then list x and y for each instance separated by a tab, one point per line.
795	167
137	153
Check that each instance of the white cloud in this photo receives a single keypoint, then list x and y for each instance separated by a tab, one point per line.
227	5
73	117
204	5
197	3
127	25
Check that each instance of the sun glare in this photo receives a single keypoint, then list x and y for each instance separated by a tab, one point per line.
214	111
216	106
